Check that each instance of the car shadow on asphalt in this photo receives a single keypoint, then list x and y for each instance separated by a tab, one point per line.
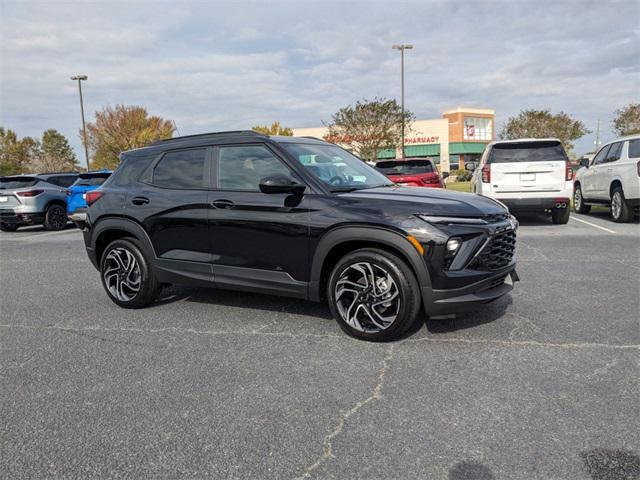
486	313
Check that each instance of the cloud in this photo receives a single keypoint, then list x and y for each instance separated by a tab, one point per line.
227	65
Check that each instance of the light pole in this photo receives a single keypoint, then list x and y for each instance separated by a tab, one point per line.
402	48
80	78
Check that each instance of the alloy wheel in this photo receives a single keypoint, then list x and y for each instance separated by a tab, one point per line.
616	205
367	297
577	199
57	217
122	274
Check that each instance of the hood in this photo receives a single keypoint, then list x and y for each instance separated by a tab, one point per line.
429	201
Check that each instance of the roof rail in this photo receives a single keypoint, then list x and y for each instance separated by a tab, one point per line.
312	137
52	173
211	134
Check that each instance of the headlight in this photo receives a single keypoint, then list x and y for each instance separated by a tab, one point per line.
454	220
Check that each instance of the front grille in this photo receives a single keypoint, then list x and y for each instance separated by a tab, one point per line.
497	253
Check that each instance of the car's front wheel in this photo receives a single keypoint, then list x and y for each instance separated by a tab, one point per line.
620	211
127	276
373	295
578	201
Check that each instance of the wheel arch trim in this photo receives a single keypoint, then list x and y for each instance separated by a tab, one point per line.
373	235
125	224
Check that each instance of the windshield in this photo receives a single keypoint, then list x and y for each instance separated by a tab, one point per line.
17	182
91	180
527	152
336	167
407	167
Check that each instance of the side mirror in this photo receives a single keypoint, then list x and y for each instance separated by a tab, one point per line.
584	162
445	174
280	184
470	166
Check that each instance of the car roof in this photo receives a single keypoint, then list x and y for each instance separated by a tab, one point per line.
524	140
214	137
406	159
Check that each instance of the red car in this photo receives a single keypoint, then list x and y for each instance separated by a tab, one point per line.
412	172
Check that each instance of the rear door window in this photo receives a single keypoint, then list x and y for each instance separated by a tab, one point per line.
527	152
180	169
601	157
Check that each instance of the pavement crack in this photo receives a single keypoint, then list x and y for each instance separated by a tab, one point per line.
524	343
327	443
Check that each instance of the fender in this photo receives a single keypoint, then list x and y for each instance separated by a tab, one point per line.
120	223
359	233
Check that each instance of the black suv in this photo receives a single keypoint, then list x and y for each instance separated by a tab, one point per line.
298	217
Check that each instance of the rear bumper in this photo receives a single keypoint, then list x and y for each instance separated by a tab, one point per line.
10	217
439	302
534	204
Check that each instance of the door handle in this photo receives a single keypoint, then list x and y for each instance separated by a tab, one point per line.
139	200
222	203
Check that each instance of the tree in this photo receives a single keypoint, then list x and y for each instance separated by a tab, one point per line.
627	121
274	129
369	126
543	124
15	154
122	128
53	154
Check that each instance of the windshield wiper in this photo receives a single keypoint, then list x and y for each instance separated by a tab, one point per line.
344	189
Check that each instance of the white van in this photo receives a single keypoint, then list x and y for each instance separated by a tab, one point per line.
528	174
611	178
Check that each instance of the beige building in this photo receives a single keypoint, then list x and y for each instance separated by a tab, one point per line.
461	134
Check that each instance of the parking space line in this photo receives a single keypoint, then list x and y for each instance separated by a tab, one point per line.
39	235
592	224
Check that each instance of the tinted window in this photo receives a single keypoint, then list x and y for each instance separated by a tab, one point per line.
527	152
62	180
407	167
634	148
17	182
91	180
614	152
335	166
242	168
183	169
601	156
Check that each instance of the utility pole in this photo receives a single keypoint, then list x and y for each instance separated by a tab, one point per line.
402	48
80	78
597	142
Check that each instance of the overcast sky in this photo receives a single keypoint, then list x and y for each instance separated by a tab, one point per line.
229	65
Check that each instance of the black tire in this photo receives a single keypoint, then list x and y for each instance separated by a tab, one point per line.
403	282
148	286
8	227
560	216
578	201
620	211
55	218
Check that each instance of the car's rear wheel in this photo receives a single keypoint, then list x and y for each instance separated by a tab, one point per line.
620	211
55	218
126	274
560	216
578	201
373	295
8	227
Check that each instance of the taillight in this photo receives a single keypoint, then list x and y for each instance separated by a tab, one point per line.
29	193
486	173
638	168
568	176
68	193
93	197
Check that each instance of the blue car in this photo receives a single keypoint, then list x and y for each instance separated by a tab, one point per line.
76	203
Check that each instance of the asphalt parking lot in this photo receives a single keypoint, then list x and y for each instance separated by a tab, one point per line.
543	384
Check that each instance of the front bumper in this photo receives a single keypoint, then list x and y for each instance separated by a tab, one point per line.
10	217
440	302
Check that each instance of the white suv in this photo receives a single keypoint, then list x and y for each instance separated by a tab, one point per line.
528	174
613	178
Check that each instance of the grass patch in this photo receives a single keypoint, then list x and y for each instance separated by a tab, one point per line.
459	186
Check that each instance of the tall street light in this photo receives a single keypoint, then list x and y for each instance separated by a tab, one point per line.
402	48
80	78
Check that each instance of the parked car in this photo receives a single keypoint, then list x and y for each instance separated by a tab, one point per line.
76	194
531	175
244	211
412	172
34	200
611	178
